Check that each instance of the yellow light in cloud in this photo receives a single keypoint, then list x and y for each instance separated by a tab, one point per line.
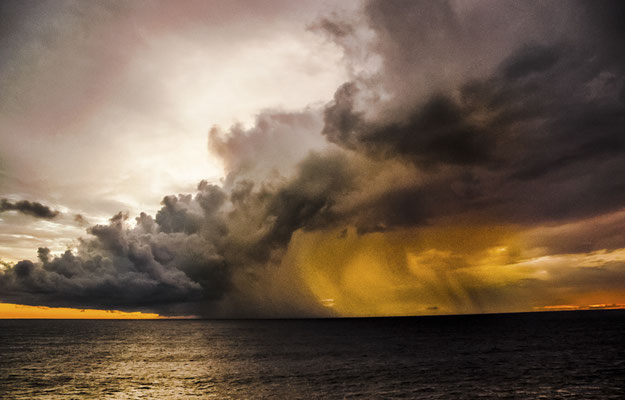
10	311
452	269
432	270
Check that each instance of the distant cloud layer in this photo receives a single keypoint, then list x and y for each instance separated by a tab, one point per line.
470	120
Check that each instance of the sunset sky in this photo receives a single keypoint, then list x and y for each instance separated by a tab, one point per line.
310	158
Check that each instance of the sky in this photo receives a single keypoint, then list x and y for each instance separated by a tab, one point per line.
310	159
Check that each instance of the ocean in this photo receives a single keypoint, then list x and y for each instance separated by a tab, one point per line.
551	355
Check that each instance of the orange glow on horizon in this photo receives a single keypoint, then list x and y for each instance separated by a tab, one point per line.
572	307
17	311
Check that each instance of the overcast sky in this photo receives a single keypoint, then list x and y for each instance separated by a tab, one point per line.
280	158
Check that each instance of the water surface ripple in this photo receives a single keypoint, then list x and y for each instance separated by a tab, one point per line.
566	355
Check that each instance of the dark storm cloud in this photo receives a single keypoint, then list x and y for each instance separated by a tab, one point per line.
34	208
530	59
470	115
138	268
187	258
184	259
534	135
439	132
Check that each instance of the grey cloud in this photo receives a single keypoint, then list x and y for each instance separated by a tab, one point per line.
469	116
307	201
117	268
439	132
176	216
394	208
80	220
531	135
609	276
34	208
264	216
429	47
576	237
187	258
276	142
206	252
333	27
528	59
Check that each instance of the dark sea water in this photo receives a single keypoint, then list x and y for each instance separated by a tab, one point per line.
561	355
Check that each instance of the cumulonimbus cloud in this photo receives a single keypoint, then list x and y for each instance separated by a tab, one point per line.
471	121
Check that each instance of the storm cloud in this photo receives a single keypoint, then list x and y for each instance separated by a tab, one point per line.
549	112
468	119
34	208
185	259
